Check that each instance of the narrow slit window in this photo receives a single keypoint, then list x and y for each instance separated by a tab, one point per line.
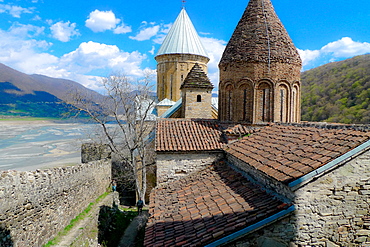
199	98
282	101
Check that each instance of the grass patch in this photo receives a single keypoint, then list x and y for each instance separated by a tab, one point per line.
74	221
113	223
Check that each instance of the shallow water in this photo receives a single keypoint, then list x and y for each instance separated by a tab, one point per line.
29	146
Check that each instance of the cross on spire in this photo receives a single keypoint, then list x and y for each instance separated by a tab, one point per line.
183	3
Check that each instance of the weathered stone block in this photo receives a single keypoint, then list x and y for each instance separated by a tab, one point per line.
363	233
34	212
94	151
175	166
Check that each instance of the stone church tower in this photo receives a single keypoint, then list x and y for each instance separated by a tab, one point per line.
260	70
196	91
179	52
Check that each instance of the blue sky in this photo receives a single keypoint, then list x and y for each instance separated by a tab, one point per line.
83	40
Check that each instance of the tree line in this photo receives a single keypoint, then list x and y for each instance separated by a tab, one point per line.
338	92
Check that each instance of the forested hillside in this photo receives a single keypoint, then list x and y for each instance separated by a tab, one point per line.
13	103
338	92
23	95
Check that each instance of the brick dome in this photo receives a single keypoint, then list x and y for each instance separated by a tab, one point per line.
260	37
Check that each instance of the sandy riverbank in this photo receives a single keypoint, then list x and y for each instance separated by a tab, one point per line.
29	145
12	122
36	121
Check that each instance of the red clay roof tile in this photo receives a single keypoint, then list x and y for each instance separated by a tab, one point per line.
223	201
188	135
298	148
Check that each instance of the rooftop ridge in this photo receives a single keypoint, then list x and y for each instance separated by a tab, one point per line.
288	151
324	125
187	120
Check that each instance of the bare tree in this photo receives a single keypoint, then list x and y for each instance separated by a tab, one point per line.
126	122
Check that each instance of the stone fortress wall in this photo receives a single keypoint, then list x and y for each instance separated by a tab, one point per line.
35	206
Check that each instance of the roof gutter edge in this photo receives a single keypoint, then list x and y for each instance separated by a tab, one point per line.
182	53
306	178
253	227
172	109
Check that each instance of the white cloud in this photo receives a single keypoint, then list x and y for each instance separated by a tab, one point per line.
203	33
162	33
83	65
346	47
91	55
152	50
63	31
121	29
215	49
100	21
89	81
307	56
159	39
23	31
146	33
26	55
333	51
15	11
36	18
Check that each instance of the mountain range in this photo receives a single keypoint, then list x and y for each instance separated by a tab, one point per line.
37	95
335	92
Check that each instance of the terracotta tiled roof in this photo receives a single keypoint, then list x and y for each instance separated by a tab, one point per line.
287	152
239	129
204	207
188	135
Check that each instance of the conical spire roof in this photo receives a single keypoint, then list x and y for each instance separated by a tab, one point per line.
196	79
182	38
260	37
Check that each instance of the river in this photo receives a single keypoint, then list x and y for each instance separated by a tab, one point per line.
26	146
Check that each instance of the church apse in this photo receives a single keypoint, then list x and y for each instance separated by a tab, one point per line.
260	70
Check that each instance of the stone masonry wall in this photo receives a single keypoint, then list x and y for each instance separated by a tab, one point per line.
332	211
255	73
36	205
175	166
194	109
173	69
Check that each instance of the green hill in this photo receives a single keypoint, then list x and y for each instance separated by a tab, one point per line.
338	92
23	95
14	103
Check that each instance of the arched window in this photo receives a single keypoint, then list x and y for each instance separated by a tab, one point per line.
199	98
229	102
244	106
264	101
295	104
171	87
163	87
283	103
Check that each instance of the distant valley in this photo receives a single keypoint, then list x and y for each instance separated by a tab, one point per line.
335	92
23	95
